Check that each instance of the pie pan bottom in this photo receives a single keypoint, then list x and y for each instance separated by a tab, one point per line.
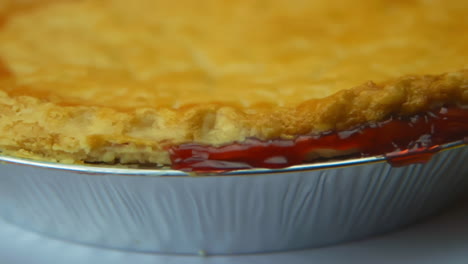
249	211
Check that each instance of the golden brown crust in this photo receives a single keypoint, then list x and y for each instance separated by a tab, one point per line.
93	81
36	128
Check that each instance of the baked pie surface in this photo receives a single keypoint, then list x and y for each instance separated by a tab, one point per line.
123	81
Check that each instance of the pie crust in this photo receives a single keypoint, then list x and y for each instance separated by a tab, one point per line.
118	81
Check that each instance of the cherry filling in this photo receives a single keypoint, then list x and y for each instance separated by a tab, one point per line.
409	140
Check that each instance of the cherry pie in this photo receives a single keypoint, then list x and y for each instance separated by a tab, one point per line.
228	84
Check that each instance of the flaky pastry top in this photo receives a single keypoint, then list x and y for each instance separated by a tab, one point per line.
120	81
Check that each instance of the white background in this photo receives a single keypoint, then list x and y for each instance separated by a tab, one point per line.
441	239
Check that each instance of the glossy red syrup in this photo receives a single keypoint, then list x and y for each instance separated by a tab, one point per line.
409	140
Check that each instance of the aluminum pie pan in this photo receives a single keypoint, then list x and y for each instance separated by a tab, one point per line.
249	211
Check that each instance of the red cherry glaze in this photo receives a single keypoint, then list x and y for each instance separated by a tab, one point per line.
410	140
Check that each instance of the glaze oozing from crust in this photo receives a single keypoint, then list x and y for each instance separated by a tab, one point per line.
122	81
